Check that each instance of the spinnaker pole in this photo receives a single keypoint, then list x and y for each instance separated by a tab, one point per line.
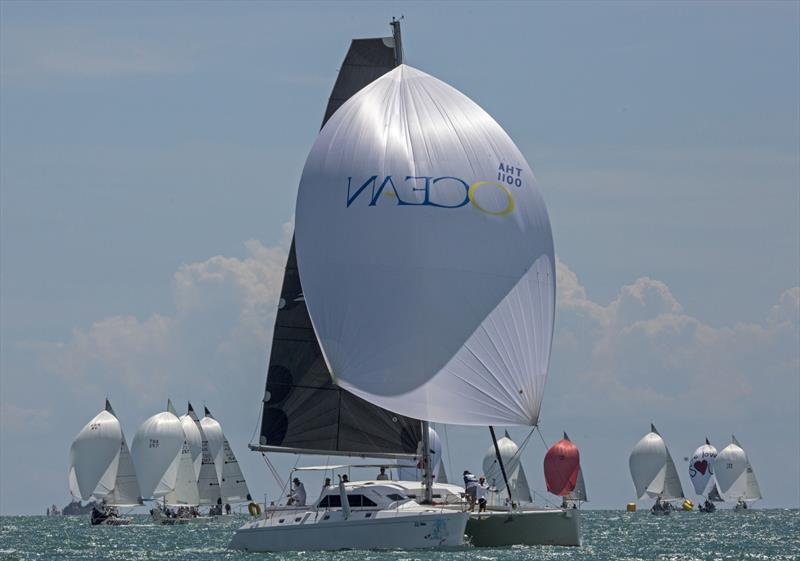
502	467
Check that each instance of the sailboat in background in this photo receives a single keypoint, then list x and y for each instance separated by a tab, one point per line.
563	474
208	488
654	473
157	452
101	468
701	472
736	479
405	473
515	475
232	484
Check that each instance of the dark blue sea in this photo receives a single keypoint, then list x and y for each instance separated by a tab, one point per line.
760	534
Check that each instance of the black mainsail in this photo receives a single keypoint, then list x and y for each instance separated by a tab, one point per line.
304	411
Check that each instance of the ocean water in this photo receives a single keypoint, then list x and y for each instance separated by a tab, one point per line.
760	534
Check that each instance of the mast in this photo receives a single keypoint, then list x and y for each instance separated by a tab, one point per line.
502	467
427	469
398	41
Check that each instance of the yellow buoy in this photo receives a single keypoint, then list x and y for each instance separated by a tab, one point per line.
688	505
631	507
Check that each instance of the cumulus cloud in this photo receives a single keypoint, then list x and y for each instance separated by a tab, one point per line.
641	351
225	309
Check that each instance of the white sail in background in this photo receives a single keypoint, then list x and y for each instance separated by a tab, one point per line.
437	462
426	256
517	481
156	453
652	469
126	486
233	487
215	438
207	481
94	456
735	477
579	492
194	439
185	491
701	468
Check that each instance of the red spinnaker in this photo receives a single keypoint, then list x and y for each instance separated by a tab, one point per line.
561	466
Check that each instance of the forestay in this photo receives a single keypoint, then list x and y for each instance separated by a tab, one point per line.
426	256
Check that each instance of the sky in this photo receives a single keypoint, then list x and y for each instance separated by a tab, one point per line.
149	161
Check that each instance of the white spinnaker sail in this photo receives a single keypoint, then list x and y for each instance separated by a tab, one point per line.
185	492
207	481
701	468
233	487
215	438
195	441
437	461
156	451
126	486
517	481
94	457
652	469
439	279
735	477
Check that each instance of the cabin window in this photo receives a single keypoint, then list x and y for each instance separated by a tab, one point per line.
359	500
297	519
395	496
330	501
280	520
367	515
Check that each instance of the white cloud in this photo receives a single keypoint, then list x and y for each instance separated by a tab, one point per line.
642	352
225	309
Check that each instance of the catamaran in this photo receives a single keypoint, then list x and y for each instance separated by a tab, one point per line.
654	473
421	317
701	472
101	468
736	480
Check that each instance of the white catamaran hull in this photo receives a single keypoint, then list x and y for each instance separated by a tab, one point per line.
387	530
528	527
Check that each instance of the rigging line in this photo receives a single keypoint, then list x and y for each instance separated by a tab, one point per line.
447	443
260	416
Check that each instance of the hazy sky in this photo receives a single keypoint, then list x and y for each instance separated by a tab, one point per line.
149	160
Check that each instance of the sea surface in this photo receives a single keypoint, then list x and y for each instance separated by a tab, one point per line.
759	534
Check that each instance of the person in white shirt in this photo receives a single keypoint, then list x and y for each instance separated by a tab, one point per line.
382	475
298	495
480	493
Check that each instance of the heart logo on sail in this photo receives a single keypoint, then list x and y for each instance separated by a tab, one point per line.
701	466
